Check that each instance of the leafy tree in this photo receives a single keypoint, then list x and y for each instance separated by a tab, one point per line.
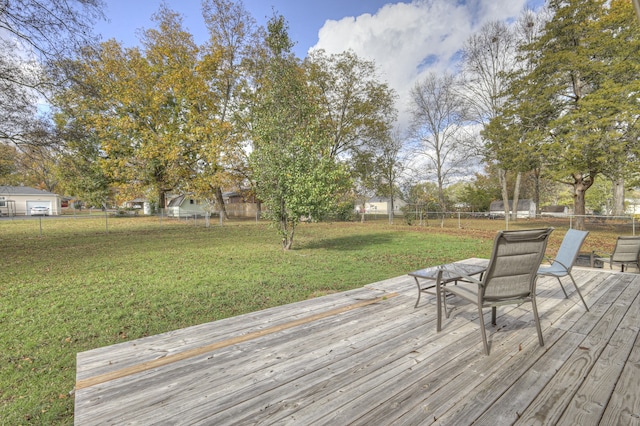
296	177
8	166
479	194
575	102
153	112
438	123
38	167
364	178
357	109
79	164
357	112
599	198
234	43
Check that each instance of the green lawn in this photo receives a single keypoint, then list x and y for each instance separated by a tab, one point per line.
70	286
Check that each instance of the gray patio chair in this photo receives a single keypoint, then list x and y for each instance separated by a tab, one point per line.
565	259
625	253
510	277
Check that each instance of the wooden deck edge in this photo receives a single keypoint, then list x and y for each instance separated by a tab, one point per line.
127	371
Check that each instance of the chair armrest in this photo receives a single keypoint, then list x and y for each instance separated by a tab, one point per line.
566	268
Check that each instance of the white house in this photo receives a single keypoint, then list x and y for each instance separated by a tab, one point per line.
526	208
632	206
18	201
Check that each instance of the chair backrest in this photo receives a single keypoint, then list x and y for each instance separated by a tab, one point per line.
512	269
627	249
570	248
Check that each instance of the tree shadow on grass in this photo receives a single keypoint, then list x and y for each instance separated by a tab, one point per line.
346	243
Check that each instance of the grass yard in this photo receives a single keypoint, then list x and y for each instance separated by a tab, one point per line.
68	286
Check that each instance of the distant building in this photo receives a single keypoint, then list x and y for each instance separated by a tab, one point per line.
185	205
382	205
19	200
555	211
526	208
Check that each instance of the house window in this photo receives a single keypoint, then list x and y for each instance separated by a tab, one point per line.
3	203
192	201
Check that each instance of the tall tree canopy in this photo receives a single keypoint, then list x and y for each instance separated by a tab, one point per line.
357	109
156	113
575	103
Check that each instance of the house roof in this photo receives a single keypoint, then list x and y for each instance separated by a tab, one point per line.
176	202
22	190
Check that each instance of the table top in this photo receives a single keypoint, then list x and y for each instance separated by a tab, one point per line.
450	271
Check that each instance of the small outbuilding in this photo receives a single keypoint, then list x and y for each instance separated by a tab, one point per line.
382	205
19	201
555	211
526	208
185	205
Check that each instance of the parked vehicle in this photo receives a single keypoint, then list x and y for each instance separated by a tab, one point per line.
39	211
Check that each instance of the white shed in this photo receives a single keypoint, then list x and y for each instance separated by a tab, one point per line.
18	201
382	205
526	208
184	206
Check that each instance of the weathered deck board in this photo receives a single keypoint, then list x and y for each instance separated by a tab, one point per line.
361	358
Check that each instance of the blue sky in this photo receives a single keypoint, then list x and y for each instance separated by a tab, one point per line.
305	17
405	39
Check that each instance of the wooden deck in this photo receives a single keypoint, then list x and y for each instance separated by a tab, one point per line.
369	357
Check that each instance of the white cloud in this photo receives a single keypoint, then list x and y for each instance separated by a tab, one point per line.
407	40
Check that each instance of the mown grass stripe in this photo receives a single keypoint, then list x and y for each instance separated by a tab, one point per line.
148	365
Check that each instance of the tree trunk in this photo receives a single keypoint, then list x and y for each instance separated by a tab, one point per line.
618	197
536	185
580	186
502	175
516	197
288	229
162	199
220	202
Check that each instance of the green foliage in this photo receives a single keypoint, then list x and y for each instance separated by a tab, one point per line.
573	112
355	107
155	116
479	195
599	197
296	178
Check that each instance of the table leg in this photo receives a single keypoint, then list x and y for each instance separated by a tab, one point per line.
419	291
439	301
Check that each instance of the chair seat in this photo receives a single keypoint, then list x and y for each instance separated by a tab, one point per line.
555	269
468	291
